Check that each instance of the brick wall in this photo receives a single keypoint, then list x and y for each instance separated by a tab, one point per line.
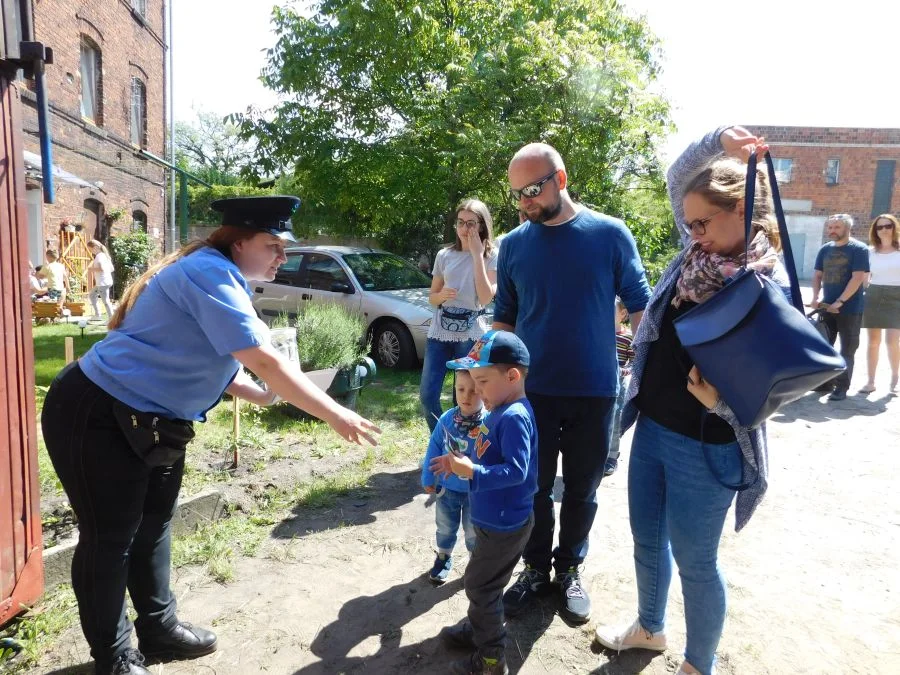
130	46
858	150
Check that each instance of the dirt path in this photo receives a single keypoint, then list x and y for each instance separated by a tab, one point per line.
814	581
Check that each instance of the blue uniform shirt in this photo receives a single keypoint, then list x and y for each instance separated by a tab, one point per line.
504	481
558	285
172	353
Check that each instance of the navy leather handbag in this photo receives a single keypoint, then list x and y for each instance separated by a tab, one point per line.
752	344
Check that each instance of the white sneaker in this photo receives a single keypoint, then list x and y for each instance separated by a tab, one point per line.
631	637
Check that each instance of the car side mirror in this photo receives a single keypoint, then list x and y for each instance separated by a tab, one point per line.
341	287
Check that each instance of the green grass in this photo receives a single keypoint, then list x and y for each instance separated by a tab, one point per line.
38	629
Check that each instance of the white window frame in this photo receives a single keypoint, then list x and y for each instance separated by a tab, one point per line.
784	167
139	6
138	110
91	91
836	177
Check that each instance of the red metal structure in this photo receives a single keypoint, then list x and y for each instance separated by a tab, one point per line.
21	568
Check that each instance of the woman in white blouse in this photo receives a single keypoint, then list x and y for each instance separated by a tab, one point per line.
102	269
882	310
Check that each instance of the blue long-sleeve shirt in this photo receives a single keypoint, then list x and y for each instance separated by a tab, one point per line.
504	479
557	285
447	431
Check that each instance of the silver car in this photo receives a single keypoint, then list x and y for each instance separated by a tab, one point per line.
390	292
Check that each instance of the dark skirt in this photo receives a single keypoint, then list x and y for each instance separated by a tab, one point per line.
882	308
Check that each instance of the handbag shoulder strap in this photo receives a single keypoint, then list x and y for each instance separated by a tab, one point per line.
786	250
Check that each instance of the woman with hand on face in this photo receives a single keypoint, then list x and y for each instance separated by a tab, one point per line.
464	280
882	309
689	453
117	422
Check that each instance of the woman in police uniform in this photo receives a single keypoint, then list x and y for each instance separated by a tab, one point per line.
117	421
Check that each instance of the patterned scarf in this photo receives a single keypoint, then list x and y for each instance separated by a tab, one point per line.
465	423
702	273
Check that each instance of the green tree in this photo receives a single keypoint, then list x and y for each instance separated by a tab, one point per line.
212	149
393	110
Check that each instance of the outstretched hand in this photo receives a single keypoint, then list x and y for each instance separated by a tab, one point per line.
740	143
448	463
354	428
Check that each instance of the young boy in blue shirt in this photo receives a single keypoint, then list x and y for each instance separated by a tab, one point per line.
455	432
502	476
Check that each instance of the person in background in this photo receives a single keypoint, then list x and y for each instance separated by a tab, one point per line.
464	280
625	355
882	308
455	432
842	267
35	286
57	277
101	268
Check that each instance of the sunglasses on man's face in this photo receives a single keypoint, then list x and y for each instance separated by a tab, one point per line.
533	189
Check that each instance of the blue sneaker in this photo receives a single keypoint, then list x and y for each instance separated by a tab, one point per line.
441	568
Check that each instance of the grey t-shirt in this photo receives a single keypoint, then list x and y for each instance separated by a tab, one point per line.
457	270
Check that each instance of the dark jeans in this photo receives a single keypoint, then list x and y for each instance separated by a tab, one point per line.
490	568
847	327
124	511
579	429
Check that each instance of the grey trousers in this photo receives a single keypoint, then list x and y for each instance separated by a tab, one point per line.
490	568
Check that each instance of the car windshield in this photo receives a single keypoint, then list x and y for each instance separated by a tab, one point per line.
385	272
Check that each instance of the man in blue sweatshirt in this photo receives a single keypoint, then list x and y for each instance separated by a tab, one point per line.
502	474
558	276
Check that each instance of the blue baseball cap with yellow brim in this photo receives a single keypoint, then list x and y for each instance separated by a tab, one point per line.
492	348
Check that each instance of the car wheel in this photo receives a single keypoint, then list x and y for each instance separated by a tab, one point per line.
392	346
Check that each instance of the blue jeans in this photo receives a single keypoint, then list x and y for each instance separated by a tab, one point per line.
617	420
451	508
677	508
434	370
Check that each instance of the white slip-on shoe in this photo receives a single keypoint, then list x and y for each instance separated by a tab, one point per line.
634	636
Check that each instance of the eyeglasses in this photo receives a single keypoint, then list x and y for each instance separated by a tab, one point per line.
889	226
468	224
532	190
699	226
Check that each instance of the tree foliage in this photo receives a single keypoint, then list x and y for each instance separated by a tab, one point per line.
395	110
211	148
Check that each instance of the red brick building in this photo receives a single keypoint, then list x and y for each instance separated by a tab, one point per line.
825	170
106	92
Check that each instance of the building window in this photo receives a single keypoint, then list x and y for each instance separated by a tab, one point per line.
91	82
783	169
139	6
138	221
832	171
138	113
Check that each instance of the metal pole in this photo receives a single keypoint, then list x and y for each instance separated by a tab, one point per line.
171	237
183	216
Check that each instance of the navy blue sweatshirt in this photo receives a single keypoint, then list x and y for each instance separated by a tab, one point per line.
558	285
501	492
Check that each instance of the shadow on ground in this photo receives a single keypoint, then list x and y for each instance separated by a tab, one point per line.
352	506
815	407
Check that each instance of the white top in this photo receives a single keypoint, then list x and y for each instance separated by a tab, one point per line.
458	271
103	269
885	268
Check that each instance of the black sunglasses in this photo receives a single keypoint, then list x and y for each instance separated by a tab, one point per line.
885	227
532	190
